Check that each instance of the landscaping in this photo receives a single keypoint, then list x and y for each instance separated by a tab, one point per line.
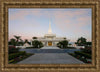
83	55
62	44
15	55
37	44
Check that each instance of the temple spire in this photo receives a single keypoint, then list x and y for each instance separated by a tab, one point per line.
49	30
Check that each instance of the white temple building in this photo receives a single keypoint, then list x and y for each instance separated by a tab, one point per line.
50	39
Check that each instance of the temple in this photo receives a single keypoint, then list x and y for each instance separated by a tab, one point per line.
50	39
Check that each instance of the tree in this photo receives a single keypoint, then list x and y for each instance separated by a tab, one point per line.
26	41
40	44
37	44
81	41
34	37
12	42
69	44
64	38
17	39
63	44
21	42
89	43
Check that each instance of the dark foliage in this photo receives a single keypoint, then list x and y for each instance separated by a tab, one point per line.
13	49
34	37
83	54
63	44
81	41
37	44
87	49
15	55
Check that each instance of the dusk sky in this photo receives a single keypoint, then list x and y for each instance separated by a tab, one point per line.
71	23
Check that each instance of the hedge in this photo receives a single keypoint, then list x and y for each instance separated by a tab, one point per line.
12	56
13	50
83	54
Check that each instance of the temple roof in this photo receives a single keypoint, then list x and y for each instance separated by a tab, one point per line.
50	31
50	35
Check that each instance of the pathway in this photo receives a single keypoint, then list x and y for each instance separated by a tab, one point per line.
50	55
51	58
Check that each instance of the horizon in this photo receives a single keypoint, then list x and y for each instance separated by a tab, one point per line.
71	23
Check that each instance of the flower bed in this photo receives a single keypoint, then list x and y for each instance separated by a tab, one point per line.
13	49
16	57
82	56
87	50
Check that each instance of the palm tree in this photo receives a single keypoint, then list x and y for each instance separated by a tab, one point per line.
21	42
12	41
17	39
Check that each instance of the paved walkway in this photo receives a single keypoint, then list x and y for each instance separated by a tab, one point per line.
50	47
51	58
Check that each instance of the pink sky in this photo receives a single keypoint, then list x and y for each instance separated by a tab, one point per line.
70	23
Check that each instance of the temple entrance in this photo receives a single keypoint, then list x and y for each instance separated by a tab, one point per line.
50	43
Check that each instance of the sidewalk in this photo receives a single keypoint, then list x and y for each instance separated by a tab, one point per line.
51	58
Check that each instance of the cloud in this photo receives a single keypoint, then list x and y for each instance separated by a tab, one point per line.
72	21
20	15
66	23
